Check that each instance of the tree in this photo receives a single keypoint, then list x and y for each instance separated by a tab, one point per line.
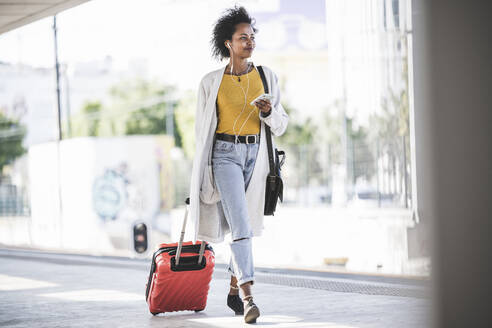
299	132
302	153
86	122
185	122
152	120
393	121
12	134
360	154
390	129
329	132
136	107
360	162
92	111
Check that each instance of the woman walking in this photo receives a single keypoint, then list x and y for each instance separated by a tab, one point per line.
230	167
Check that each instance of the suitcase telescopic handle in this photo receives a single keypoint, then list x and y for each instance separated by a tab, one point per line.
181	238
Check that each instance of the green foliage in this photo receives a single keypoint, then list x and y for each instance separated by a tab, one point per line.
357	155
394	119
92	110
152	120
12	134
298	132
147	120
391	125
185	121
302	152
136	107
330	131
86	122
360	154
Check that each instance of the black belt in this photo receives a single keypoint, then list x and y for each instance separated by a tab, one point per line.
249	139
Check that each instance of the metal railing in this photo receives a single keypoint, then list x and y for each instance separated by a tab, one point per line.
13	202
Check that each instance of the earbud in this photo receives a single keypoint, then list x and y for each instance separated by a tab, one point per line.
228	45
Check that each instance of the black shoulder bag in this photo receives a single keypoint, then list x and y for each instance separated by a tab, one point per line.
274	185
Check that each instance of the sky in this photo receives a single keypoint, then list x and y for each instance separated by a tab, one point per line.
172	36
171	40
162	32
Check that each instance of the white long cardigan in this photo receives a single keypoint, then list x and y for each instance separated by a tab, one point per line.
207	221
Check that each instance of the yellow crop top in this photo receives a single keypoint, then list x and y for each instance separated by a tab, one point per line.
230	102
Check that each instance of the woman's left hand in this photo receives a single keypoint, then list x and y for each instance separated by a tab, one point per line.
264	105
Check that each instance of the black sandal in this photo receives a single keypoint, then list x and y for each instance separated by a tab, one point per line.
236	304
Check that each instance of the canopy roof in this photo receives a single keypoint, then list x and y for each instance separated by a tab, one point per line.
16	13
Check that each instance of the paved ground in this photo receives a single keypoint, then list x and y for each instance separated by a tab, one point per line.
54	290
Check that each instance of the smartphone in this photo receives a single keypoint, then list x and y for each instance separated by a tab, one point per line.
265	96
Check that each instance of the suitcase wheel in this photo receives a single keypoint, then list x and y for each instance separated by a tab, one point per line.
155	313
199	310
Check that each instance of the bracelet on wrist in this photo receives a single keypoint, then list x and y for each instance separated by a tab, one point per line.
263	114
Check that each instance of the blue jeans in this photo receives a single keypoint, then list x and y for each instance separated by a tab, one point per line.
233	166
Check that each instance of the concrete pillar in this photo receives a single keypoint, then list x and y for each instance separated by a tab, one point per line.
453	111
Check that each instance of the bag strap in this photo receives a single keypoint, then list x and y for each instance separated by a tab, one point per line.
267	127
181	238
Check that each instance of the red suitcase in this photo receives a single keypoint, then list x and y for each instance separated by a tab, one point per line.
180	276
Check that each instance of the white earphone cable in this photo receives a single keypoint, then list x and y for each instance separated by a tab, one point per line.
245	99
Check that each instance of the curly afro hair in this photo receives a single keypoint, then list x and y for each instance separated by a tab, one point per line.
225	27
